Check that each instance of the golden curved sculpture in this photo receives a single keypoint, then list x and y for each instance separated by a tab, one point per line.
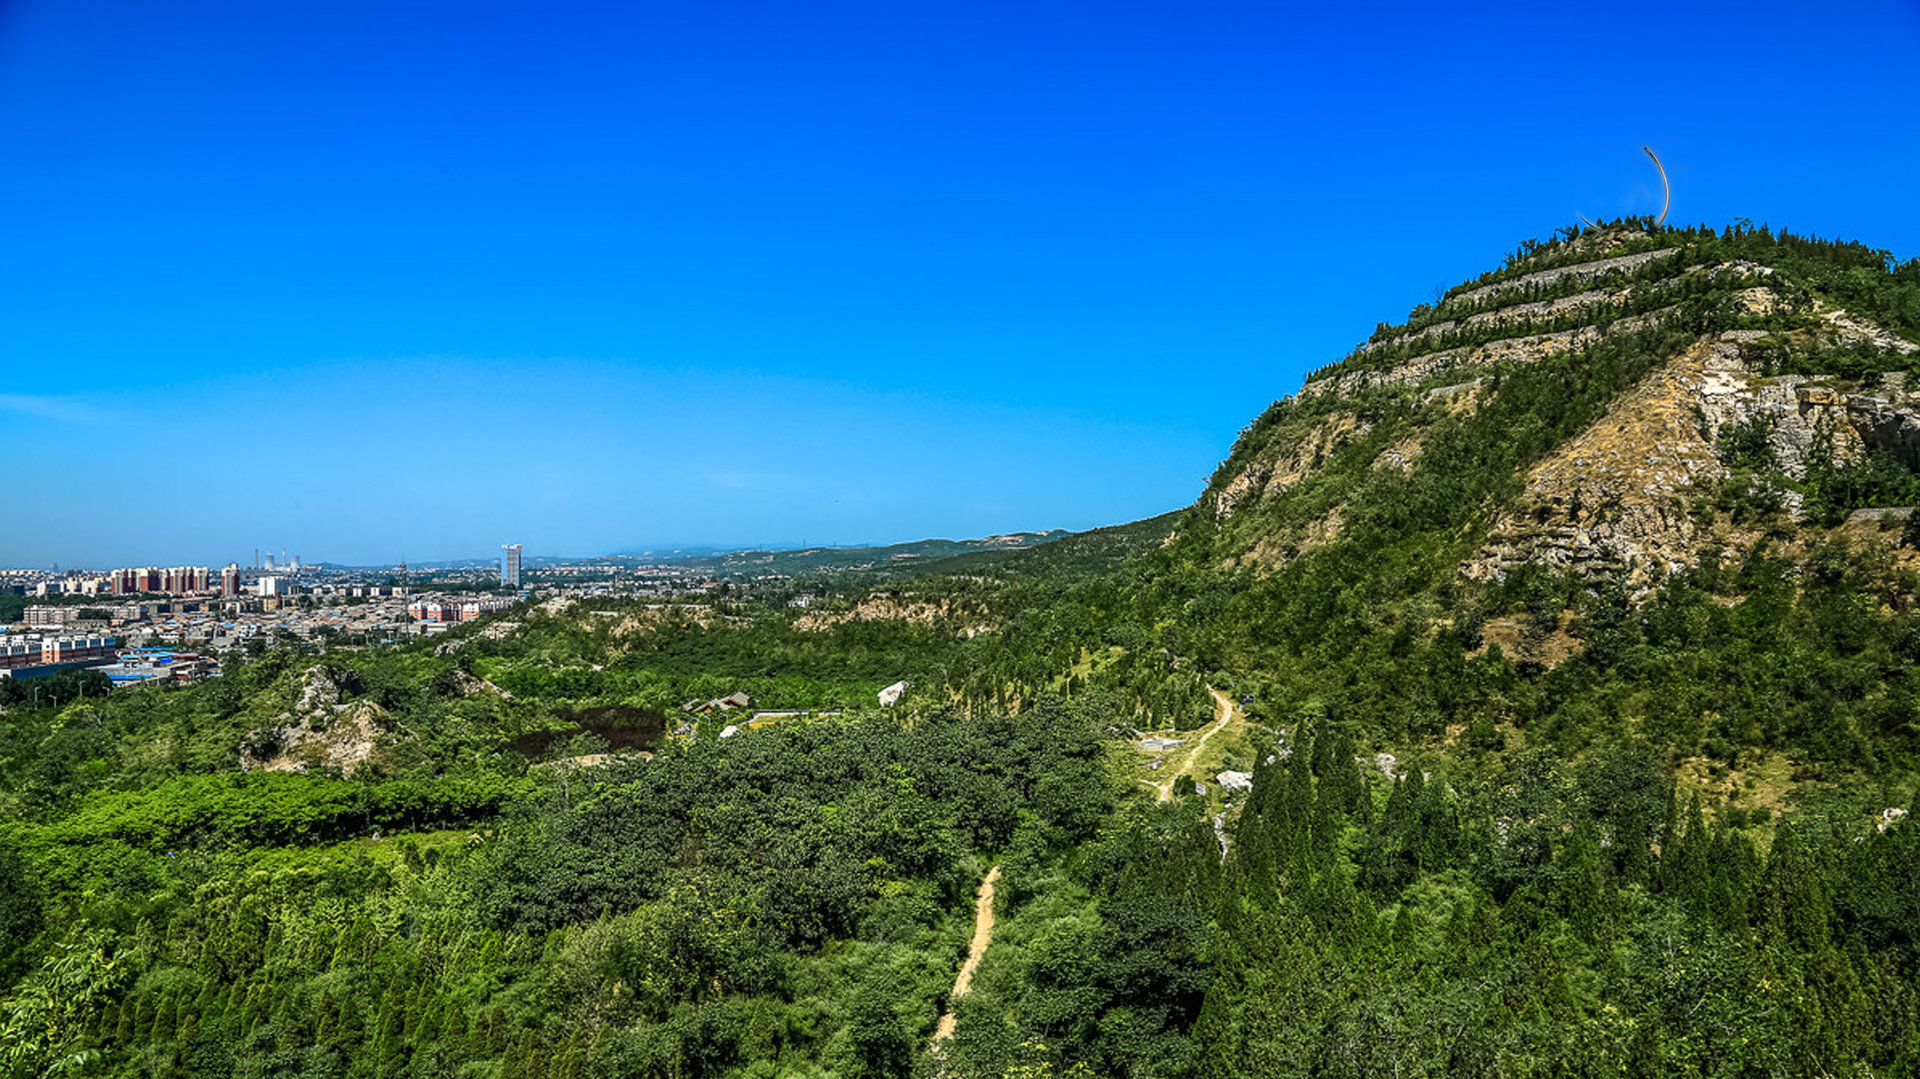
1666	201
1666	193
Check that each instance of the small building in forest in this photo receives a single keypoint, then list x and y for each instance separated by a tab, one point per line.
732	702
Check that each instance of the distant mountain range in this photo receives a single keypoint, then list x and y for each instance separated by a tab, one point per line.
813	560
733	561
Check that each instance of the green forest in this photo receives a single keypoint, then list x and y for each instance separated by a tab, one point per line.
1551	823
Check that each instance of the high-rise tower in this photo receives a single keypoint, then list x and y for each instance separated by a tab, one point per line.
510	566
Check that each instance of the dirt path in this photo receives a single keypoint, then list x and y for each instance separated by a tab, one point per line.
1227	710
982	936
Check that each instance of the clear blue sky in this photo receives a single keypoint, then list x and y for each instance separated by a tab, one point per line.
378	280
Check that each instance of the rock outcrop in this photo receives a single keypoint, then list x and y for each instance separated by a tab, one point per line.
1266	477
1620	496
467	685
970	619
325	729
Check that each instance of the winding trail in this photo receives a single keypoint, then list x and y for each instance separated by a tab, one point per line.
982	936
1224	705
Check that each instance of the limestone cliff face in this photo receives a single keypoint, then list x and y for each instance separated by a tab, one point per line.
1620	496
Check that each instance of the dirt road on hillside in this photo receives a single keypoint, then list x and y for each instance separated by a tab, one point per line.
982	936
1227	710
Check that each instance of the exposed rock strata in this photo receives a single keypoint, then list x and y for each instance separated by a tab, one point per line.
1585	271
323	730
1272	476
1619	495
891	608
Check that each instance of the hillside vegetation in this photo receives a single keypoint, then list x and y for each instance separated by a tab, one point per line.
1571	622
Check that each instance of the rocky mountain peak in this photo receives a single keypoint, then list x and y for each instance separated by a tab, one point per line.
1750	391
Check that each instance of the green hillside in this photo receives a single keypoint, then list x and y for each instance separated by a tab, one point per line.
897	559
1528	694
1075	556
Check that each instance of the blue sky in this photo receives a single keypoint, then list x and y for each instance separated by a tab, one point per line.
379	280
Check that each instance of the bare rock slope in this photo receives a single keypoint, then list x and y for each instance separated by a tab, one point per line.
325	729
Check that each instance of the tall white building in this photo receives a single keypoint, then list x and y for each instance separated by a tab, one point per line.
510	566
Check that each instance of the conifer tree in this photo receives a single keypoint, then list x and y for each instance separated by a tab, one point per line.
1585	891
1630	843
1687	873
1799	904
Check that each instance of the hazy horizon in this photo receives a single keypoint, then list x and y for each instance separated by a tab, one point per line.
532	557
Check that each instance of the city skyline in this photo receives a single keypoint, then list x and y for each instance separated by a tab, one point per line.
388	281
468	561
